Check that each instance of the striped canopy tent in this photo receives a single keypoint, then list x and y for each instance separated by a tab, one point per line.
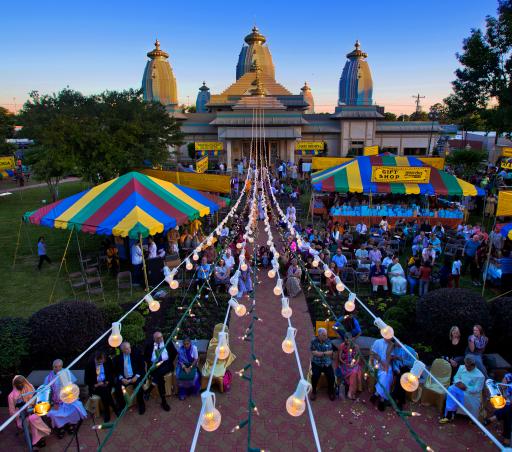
132	205
356	177
506	231
6	173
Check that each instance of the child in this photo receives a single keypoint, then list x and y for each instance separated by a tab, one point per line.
456	269
425	272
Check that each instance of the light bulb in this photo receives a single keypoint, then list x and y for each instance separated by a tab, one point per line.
239	308
189	265
195	256
115	338
233	291
174	284
315	262
411	380
385	330
350	304
269	242
222	349
340	287
288	344
42	405
211	416
495	397
286	311
251	239
278	289
295	404
243	267
69	391
153	304
271	273
239	245
327	271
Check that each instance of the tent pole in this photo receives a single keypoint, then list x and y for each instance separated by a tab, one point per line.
486	267
17	244
61	263
144	264
79	253
28	239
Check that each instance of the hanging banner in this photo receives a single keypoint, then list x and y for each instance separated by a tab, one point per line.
321	163
207	153
202	165
436	162
506	152
6	162
504	208
309	145
371	150
506	164
401	174
205	182
303	152
209	145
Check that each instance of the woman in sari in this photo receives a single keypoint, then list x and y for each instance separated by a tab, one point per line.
221	367
397	278
187	373
350	365
378	277
21	393
62	414
245	282
222	274
293	279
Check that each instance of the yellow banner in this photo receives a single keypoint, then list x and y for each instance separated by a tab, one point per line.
204	182
209	145
401	174
506	152
506	164
6	162
504	208
202	165
371	150
309	145
321	163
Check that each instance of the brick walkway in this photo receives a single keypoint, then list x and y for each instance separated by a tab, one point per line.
342	425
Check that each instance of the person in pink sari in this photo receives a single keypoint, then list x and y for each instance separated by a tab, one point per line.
350	365
21	393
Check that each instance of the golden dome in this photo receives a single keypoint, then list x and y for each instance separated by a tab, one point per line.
156	52
357	52
255	37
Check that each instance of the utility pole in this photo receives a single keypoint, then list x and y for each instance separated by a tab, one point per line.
417	102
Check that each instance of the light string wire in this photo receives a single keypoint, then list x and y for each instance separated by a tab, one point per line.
43	387
445	390
173	335
372	369
280	282
235	279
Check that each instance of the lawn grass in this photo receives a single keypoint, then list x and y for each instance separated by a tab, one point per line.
25	289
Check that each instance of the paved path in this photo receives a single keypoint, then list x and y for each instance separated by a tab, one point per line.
42	184
342	425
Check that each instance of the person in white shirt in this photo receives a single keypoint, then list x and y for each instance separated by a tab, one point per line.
224	232
384	225
229	260
137	257
151	248
362	229
291	213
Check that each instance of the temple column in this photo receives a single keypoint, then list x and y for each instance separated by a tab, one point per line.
291	150
228	155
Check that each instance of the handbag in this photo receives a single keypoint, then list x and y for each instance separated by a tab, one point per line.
187	376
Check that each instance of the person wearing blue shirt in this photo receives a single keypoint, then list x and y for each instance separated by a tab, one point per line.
401	362
470	258
339	259
349	324
41	252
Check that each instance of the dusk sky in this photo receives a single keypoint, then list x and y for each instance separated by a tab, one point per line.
97	45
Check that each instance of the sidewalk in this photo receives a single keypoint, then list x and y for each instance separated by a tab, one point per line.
42	184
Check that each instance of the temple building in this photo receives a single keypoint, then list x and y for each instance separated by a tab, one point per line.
223	121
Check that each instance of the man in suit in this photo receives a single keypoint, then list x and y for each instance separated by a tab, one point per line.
164	357
129	368
99	377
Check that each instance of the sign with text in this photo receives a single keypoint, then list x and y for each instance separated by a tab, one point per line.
309	145
506	164
209	145
506	152
401	174
371	150
6	162
202	165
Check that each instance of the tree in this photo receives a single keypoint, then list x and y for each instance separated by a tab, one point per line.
7	122
483	85
98	137
403	117
466	161
388	116
438	112
419	116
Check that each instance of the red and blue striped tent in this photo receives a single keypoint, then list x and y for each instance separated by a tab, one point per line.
127	206
355	176
506	231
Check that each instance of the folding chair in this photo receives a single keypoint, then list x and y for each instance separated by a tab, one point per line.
124	282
